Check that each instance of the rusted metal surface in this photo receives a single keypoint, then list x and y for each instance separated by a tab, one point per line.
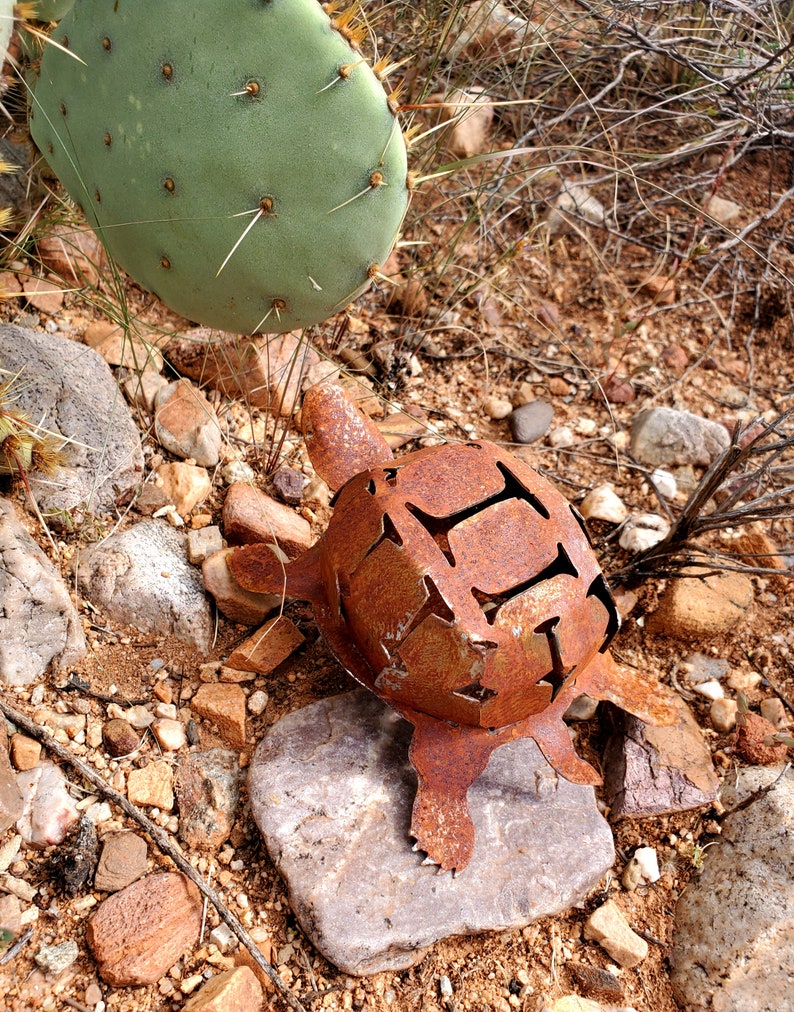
459	586
341	440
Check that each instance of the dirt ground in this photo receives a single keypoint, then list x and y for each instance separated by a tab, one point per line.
560	336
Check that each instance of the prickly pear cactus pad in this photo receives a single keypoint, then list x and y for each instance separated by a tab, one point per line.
239	158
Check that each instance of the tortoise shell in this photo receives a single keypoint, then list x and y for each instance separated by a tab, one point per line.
467	582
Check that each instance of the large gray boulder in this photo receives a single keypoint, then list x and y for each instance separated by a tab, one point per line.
733	948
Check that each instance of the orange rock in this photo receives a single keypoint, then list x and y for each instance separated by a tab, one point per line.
25	752
250	516
754	741
267	647
137	934
235	989
693	607
657	289
758	549
223	703
72	252
236	604
186	424
118	346
152	785
675	358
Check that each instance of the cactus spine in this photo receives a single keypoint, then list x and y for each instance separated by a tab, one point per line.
238	158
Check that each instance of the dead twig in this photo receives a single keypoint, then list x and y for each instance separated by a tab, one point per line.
18	945
161	840
760	792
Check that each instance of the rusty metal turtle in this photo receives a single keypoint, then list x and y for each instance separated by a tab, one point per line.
458	585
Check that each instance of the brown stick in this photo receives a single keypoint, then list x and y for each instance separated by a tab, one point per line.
160	838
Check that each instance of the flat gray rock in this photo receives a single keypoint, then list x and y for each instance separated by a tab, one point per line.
39	623
70	390
733	947
331	791
665	436
142	577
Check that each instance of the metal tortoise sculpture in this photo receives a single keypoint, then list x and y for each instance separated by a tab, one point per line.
459	586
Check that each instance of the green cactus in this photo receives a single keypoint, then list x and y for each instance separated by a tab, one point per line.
240	160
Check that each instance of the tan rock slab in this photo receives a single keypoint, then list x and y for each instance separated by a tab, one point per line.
250	517
122	861
694	607
25	752
152	785
236	604
72	252
119	346
231	991
137	934
186	424
223	704
470	114
44	294
608	926
265	649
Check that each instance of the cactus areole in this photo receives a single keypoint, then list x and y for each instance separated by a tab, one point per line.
241	160
459	586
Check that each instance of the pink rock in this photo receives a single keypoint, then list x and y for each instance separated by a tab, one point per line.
49	810
137	934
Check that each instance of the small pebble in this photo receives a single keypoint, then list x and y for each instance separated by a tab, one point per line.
641	869
642	531
602	503
119	737
496	408
170	734
744	681
445	986
257	702
665	483
561	438
237	470
55	958
710	689
701	668
531	421
773	710
582	708
288	485
722	714
223	937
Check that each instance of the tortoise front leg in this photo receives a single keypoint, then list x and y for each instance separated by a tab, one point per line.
447	758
